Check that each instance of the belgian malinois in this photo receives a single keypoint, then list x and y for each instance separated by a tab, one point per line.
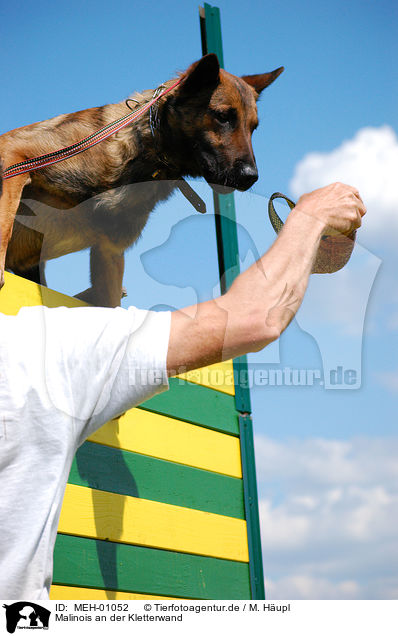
202	128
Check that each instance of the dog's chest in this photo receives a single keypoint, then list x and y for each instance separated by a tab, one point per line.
115	217
122	213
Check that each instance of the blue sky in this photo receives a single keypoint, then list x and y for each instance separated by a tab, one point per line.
326	459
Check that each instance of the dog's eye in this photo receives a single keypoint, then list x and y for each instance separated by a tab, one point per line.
226	116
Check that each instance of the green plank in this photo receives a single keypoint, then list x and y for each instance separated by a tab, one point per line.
115	566
196	404
126	473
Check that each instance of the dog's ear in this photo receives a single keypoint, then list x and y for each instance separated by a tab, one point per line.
205	73
261	81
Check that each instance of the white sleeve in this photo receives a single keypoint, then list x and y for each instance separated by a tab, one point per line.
100	362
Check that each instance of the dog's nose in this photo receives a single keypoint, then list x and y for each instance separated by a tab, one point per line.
246	176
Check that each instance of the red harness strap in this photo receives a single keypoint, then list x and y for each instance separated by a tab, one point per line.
64	153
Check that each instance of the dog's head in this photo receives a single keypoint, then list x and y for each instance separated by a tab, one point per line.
210	120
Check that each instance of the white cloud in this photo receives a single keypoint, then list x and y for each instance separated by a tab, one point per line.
369	162
329	512
327	463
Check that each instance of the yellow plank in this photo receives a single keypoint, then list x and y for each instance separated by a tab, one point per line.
102	515
174	440
219	377
18	292
68	593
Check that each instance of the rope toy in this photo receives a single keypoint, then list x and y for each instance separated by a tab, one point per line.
334	250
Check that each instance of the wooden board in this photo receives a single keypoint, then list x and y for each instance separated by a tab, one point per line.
97	514
175	440
116	566
196	404
18	292
124	473
68	593
219	377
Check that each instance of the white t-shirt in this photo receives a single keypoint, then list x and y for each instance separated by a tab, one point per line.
63	373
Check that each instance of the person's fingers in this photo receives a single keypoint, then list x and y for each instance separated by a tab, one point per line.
358	197
358	222
360	204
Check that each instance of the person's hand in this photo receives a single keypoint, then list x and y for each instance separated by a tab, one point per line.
338	207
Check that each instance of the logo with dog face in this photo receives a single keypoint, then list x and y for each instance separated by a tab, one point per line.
26	615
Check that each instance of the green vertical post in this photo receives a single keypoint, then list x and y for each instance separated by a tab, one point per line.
224	208
228	262
251	506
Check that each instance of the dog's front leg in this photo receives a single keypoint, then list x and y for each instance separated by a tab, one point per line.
9	203
106	270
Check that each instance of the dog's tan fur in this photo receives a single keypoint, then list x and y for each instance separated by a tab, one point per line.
87	201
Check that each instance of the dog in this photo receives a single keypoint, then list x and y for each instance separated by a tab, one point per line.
201	128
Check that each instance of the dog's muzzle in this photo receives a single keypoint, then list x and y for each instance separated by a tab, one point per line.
244	176
240	176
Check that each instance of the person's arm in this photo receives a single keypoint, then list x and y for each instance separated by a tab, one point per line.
262	301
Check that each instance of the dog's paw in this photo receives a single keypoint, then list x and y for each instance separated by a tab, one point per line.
86	296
